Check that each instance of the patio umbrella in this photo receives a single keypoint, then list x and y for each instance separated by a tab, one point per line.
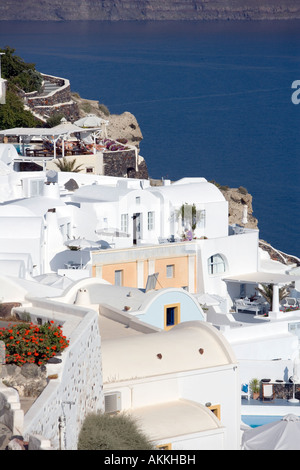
81	244
91	120
278	435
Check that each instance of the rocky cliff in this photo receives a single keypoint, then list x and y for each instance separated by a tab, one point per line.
116	10
121	126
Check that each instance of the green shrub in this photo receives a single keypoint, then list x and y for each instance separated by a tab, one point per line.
112	432
13	114
18	72
55	120
86	107
68	165
104	109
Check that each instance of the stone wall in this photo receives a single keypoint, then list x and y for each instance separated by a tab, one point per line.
123	163
29	380
75	387
56	101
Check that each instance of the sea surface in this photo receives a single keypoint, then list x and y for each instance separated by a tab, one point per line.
213	99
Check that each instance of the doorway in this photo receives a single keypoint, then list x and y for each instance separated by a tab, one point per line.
137	219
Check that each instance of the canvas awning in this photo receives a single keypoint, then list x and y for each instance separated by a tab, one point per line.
60	130
276	279
63	130
262	278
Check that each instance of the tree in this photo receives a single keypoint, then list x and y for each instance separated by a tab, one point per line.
68	165
13	114
112	432
266	290
17	72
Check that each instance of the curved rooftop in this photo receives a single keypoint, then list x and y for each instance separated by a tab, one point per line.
17	228
99	193
188	346
37	206
157	421
190	191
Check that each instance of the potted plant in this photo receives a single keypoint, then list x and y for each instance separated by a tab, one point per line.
255	388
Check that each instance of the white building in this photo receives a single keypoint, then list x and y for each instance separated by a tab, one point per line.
182	386
2	85
133	221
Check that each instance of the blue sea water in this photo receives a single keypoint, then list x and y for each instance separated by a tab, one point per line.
212	99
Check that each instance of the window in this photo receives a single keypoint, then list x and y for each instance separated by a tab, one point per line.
172	316
89	169
119	277
151	216
216	409
62	229
200	219
164	447
36	187
170	271
137	200
124	223
216	264
69	230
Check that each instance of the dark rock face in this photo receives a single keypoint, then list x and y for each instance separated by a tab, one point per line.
29	380
116	10
123	164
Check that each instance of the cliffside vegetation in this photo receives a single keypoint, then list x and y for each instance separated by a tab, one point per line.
19	74
21	77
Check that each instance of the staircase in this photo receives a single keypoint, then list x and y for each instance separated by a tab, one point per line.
49	87
54	98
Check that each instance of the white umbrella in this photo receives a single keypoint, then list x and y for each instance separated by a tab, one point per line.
81	244
91	120
278	435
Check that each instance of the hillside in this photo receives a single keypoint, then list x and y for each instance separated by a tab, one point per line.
116	10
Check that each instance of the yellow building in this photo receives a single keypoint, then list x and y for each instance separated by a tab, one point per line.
175	263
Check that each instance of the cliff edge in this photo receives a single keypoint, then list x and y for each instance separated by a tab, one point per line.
148	10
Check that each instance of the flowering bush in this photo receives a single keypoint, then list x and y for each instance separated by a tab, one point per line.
26	342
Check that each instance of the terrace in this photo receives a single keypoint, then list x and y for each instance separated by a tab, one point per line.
66	139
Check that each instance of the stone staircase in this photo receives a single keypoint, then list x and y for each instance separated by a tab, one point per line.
55	98
49	87
5	432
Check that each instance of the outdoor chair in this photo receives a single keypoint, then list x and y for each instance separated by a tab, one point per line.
245	391
289	302
268	392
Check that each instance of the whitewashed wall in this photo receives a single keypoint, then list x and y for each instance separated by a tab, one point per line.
78	389
218	385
